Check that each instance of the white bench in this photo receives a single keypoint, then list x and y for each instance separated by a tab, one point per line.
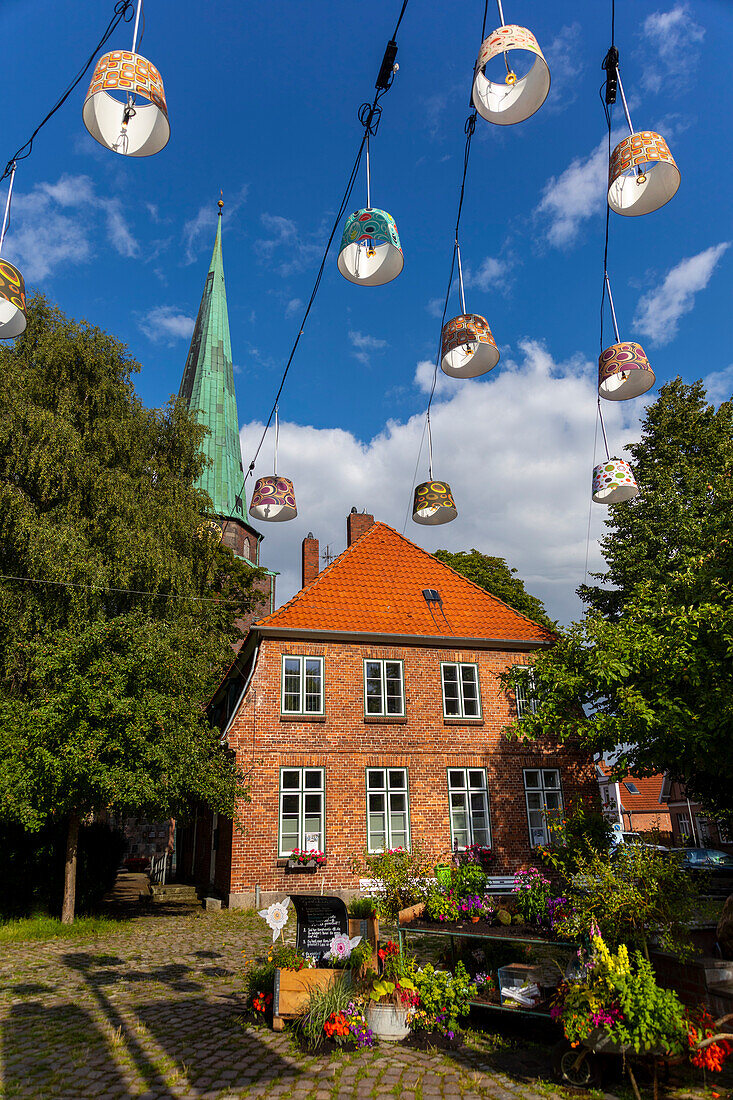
495	884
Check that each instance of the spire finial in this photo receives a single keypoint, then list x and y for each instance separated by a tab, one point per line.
221	203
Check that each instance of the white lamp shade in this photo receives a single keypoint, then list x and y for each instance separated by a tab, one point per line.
613	482
12	301
273	499
467	348
146	130
434	503
515	99
370	251
632	193
624	372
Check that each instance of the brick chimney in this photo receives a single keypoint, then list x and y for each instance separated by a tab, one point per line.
310	559
357	523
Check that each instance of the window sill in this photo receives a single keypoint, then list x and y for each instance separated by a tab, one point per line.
385	719
302	717
282	861
463	721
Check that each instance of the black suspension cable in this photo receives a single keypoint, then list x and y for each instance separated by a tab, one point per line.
123	12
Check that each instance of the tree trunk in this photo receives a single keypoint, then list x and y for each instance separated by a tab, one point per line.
72	844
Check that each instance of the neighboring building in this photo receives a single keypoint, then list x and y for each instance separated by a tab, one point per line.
207	387
634	803
367	713
691	827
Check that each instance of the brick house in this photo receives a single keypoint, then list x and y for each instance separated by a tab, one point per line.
636	803
367	713
691	826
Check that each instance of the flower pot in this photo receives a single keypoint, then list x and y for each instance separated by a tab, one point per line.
388	1022
308	868
475	919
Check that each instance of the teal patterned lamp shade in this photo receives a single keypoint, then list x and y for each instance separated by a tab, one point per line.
613	482
273	499
370	252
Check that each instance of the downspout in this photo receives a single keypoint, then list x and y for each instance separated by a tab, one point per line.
692	822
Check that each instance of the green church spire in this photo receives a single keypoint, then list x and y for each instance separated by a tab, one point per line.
207	387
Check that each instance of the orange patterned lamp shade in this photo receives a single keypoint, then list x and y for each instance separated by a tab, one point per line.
624	372
613	482
12	301
467	348
125	108
642	174
434	503
273	499
515	98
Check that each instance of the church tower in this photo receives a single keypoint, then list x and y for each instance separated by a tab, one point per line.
207	387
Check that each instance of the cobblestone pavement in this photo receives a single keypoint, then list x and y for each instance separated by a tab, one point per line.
153	1011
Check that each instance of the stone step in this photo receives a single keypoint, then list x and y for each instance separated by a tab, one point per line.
175	891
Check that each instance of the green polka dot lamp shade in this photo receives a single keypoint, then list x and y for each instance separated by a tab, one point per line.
370	252
12	301
613	482
120	79
434	503
642	174
467	347
509	98
624	372
273	499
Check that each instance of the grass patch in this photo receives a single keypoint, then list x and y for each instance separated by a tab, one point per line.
43	927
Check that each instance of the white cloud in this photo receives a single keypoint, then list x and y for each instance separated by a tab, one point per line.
516	447
363	344
658	311
575	195
293	306
719	385
284	238
565	59
488	275
673	34
55	224
424	373
198	231
166	323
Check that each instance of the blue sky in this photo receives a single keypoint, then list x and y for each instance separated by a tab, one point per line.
263	98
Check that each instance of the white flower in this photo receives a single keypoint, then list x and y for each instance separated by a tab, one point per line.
341	946
276	916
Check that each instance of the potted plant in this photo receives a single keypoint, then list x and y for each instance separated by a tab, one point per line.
303	861
392	995
364	922
471	908
443	998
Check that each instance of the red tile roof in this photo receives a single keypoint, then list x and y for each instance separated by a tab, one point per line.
376	587
649	788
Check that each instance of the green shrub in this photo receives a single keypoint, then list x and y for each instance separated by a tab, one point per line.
359	908
442	907
468	879
444	997
321	1003
403	875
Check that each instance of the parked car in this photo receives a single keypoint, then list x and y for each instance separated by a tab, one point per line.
713	868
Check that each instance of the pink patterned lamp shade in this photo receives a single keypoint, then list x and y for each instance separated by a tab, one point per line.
434	503
12	301
113	111
642	174
624	372
467	347
613	482
515	98
273	499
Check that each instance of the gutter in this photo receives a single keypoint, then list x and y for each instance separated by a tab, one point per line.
376	638
235	709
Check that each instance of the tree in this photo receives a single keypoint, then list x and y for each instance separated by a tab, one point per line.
657	676
117	609
495	576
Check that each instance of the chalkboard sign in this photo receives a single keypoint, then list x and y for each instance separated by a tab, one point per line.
319	920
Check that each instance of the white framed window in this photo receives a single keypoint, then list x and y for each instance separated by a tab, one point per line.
384	690
543	794
301	810
388	815
683	824
469	807
302	685
525	705
461	696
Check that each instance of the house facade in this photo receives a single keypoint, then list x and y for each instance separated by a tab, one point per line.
368	713
691	826
636	804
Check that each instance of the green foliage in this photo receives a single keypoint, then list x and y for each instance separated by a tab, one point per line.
360	955
260	979
360	908
42	927
442	906
444	997
578	831
322	1002
468	879
630	895
403	876
495	576
532	895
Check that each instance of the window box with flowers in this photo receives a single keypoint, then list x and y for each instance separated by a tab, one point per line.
307	862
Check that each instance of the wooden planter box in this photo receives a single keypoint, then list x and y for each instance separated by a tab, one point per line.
293	989
368	929
414	912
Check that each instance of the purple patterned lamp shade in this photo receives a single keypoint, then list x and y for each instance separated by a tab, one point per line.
12	301
624	372
434	503
613	482
512	99
642	174
273	499
121	77
467	347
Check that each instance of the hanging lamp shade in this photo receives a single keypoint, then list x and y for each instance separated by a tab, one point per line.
467	348
633	193
273	499
113	112
12	301
516	98
370	251
434	503
613	482
624	372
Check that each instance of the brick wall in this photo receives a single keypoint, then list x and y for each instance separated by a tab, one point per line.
345	743
310	560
